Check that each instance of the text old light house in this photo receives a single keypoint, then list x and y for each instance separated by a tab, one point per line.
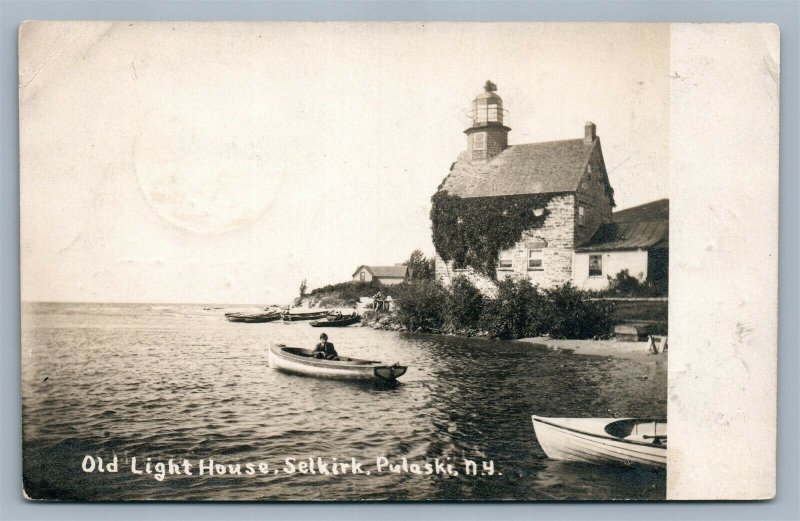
559	192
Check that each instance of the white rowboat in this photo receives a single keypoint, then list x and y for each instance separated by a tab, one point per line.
301	361
603	440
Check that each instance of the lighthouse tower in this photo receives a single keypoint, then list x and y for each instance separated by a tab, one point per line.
487	136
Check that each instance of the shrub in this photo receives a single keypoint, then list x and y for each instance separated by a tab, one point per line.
570	314
420	305
623	284
463	305
516	312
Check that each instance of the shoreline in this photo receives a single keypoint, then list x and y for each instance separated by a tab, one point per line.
608	348
589	347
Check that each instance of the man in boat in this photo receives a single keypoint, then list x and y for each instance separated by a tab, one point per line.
325	349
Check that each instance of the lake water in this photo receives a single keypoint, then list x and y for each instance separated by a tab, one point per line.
179	381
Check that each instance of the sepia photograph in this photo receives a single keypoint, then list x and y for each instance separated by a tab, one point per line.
345	261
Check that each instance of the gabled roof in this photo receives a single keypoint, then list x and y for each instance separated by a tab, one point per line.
399	272
535	168
632	235
652	211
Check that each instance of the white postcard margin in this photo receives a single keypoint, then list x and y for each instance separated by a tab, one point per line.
724	133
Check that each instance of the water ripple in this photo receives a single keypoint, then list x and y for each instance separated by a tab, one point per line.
181	382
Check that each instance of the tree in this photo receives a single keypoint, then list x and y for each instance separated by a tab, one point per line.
420	266
303	288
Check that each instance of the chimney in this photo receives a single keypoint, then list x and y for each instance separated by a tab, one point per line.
589	132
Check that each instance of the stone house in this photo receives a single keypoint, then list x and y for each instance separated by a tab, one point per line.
386	275
568	177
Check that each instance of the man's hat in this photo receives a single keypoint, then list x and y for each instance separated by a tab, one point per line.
323	335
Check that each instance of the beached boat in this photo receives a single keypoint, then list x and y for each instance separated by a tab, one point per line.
337	321
603	440
300	361
293	317
252	318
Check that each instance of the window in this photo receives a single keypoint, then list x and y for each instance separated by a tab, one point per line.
504	261
535	255
363	276
595	265
535	258
581	216
493	113
480	112
479	141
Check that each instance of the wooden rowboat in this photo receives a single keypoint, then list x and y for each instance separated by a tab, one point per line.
337	321
603	440
300	361
293	317
252	317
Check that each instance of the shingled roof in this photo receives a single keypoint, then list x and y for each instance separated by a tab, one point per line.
641	235
652	211
535	168
398	272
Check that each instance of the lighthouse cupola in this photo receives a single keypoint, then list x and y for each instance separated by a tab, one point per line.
487	136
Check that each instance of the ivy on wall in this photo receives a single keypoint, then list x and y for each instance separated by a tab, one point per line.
473	231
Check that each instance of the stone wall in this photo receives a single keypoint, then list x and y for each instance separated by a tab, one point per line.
558	234
593	197
445	274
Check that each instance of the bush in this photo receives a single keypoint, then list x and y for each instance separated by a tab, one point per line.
522	310
420	305
516	312
623	284
519	310
570	314
463	305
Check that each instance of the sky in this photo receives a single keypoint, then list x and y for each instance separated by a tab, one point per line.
226	162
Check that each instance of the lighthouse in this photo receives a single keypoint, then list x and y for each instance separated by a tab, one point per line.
487	136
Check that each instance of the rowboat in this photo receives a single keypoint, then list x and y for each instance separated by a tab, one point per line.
603	440
252	317
293	317
337	321
301	361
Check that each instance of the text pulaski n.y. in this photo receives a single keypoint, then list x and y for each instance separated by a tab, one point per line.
159	469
